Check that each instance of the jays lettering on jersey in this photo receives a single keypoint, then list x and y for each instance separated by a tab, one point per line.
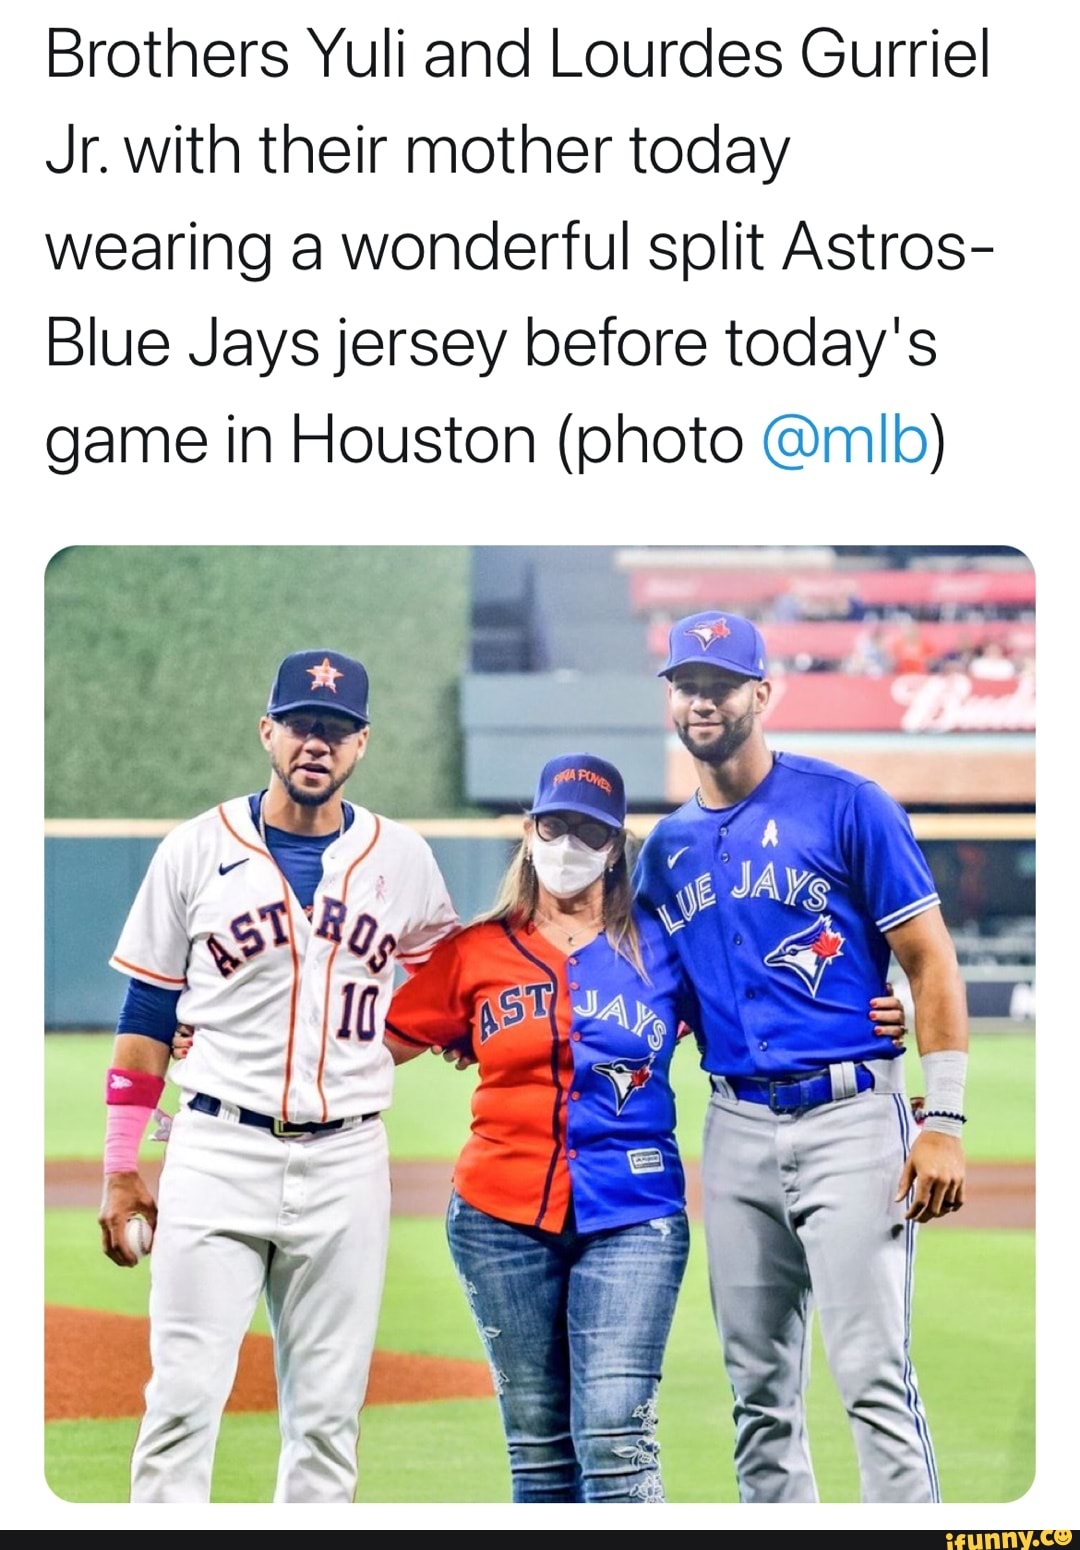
288	1011
574	1089
778	908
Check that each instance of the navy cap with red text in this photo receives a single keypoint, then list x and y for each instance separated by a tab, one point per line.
581	783
720	640
320	680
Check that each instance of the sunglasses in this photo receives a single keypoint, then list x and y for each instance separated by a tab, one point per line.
590	831
332	730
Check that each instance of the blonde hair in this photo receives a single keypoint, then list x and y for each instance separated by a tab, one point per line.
519	894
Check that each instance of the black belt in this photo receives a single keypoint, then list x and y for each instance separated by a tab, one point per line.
279	1127
787	1094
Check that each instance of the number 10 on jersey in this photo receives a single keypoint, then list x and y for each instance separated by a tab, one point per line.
358	1011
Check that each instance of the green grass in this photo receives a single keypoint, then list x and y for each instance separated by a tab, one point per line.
976	1378
77	1274
1000	1096
423	1310
447	1452
973	1339
976	1375
430	1116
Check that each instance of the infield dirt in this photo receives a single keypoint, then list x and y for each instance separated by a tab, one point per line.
96	1364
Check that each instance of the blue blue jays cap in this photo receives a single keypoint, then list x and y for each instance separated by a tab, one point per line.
320	680
581	783
721	640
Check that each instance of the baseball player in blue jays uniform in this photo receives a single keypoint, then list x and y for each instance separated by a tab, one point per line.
785	884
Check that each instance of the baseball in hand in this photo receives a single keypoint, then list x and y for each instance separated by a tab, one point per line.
138	1235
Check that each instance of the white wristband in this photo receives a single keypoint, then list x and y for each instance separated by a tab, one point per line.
945	1072
944	1125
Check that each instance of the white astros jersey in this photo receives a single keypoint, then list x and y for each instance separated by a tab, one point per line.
288	1012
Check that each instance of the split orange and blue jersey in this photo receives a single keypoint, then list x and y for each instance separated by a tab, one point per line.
574	1096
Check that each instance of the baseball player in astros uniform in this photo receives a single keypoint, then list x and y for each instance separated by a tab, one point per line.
784	884
272	925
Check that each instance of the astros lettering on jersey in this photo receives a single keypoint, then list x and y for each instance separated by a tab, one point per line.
574	1057
289	1011
811	870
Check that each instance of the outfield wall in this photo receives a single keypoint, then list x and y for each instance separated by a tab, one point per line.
93	869
158	663
90	882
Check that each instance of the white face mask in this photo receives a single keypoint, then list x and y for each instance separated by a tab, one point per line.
567	866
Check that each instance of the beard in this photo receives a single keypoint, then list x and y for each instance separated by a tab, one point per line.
304	798
733	735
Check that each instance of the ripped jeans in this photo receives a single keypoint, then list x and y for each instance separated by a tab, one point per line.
574	1326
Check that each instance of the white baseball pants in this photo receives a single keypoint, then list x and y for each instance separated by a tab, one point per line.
306	1221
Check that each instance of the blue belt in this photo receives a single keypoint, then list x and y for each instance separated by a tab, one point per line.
280	1127
787	1094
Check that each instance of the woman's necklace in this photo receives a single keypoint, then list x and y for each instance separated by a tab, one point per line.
589	928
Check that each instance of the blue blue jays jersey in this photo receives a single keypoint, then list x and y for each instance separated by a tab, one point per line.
620	1127
778	909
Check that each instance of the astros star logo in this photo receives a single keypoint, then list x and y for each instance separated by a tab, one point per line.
325	676
705	634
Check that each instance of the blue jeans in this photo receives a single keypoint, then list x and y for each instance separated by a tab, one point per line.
574	1325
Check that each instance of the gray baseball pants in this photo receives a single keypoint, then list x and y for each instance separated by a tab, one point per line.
799	1214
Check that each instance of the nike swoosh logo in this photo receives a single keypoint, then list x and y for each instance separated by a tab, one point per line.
671	860
231	867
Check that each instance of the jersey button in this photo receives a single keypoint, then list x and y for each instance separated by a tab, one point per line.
725	856
571	960
575	1037
575	1096
764	1044
571	1153
724	829
574	985
737	940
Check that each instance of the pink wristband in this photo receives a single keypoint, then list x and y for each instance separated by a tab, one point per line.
139	1087
124	1127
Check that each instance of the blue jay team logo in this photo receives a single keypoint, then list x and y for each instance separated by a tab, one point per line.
809	952
705	634
626	1076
